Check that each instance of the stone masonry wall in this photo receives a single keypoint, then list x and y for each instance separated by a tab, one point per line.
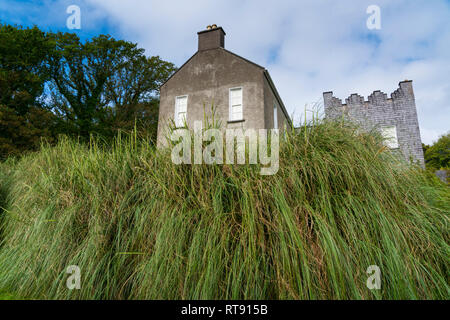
380	111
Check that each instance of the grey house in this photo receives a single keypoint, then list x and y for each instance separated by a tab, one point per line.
242	92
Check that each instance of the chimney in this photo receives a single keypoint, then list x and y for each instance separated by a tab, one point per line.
211	38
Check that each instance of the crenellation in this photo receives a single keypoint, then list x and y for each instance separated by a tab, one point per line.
379	111
377	97
397	94
354	99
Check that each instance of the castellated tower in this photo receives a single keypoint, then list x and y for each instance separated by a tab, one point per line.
395	117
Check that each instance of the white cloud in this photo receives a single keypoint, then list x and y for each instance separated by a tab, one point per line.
311	46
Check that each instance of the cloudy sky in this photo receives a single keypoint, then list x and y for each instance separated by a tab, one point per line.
308	46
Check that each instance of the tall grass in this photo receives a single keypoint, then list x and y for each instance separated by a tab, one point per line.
140	227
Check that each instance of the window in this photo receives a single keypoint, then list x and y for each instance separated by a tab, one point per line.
275	116
390	137
180	110
236	104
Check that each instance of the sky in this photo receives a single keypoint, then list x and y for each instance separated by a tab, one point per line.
308	46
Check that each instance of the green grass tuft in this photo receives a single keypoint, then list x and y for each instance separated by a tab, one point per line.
140	227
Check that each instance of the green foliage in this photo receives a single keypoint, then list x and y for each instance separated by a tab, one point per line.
23	53
23	72
104	83
52	83
20	133
437	156
140	227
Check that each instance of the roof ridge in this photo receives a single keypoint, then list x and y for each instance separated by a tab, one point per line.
241	57
178	69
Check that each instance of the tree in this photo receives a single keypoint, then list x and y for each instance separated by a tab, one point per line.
52	83
101	84
23	73
437	156
134	91
23	54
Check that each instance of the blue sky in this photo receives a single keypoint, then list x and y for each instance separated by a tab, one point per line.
308	46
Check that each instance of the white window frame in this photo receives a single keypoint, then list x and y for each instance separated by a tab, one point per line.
275	115
390	140
230	109
178	125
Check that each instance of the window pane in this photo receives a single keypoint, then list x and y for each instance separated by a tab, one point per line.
236	112
181	118
236	104
236	93
236	115
390	136
180	110
236	100
275	116
182	104
236	109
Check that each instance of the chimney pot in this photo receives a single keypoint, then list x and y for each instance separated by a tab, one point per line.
211	38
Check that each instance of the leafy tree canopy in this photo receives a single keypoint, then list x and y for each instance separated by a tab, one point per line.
23	74
102	83
52	83
437	156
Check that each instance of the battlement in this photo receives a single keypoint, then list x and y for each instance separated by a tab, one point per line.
404	91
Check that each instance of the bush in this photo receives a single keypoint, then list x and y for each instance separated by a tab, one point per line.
437	156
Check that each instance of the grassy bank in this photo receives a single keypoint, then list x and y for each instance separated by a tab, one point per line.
140	227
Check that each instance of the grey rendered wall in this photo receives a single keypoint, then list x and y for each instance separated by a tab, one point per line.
269	100
399	110
206	79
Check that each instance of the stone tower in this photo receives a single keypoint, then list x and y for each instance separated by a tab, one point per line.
395	117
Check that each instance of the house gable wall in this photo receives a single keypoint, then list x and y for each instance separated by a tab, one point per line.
206	78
